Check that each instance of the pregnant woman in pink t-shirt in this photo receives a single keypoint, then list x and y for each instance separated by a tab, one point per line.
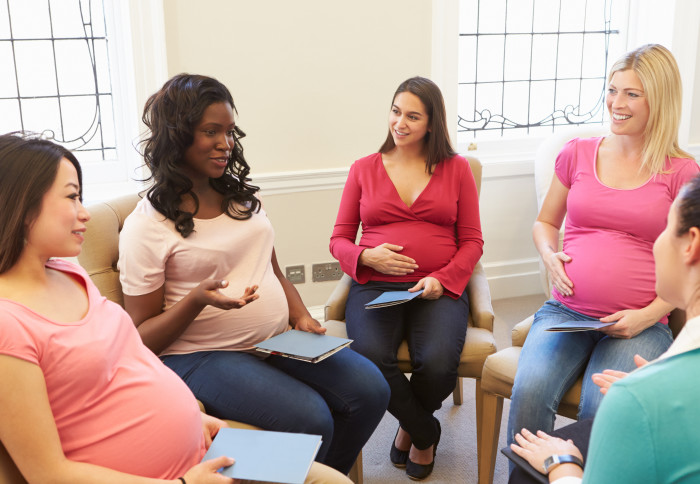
615	192
83	399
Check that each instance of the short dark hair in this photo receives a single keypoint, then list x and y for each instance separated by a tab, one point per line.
171	115
28	165
438	146
689	206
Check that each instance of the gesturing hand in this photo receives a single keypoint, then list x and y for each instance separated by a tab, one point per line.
384	258
208	294
608	377
557	273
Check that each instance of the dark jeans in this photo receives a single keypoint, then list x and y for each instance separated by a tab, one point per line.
435	332
342	398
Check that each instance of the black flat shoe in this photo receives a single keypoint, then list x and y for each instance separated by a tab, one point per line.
398	457
418	472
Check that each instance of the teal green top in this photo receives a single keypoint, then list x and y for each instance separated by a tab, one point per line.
647	429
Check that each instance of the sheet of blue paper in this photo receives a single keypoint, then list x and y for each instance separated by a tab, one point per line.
265	456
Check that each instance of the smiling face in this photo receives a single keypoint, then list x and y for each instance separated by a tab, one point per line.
408	120
209	153
627	104
59	228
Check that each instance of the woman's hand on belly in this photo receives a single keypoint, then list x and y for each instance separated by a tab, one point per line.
557	273
207	293
385	258
432	289
308	324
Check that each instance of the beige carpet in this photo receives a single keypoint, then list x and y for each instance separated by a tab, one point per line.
456	456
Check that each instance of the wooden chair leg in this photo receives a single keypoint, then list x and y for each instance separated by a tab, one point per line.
492	410
457	396
479	404
355	473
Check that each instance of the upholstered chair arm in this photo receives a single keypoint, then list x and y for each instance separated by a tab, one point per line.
334	309
520	330
480	299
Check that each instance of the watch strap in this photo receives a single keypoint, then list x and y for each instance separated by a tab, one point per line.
556	460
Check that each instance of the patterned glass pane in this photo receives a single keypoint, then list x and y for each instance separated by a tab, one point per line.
55	77
526	66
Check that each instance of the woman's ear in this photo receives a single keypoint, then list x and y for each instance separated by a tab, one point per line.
692	250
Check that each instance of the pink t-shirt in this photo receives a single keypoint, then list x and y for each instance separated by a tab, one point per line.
114	402
610	233
152	254
441	230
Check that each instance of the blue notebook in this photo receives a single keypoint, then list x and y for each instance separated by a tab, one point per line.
265	456
572	326
302	345
392	298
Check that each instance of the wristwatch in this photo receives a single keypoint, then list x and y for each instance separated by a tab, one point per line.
555	460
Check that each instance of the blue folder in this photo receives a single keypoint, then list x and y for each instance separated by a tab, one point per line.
266	456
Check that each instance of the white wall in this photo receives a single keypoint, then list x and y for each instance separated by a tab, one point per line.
312	81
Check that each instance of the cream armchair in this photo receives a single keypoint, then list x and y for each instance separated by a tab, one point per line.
499	369
479	342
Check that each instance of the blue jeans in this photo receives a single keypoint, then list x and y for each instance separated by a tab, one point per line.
342	398
435	332
551	362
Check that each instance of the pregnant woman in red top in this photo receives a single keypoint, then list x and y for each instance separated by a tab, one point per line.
419	209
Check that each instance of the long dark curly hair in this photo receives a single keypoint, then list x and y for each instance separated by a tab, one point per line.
171	115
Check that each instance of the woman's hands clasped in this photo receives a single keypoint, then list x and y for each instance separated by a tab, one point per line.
207	294
385	258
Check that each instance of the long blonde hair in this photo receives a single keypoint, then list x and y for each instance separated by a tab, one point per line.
657	70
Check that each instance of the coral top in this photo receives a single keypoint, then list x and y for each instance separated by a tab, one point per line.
152	254
441	230
609	233
114	402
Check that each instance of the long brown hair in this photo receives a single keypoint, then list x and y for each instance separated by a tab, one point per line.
437	139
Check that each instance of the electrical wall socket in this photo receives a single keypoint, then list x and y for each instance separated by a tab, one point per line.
295	274
328	271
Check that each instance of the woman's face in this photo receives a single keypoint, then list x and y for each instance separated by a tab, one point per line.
627	104
59	229
408	120
208	155
668	261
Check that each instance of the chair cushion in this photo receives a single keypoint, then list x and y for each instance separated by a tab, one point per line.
499	372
